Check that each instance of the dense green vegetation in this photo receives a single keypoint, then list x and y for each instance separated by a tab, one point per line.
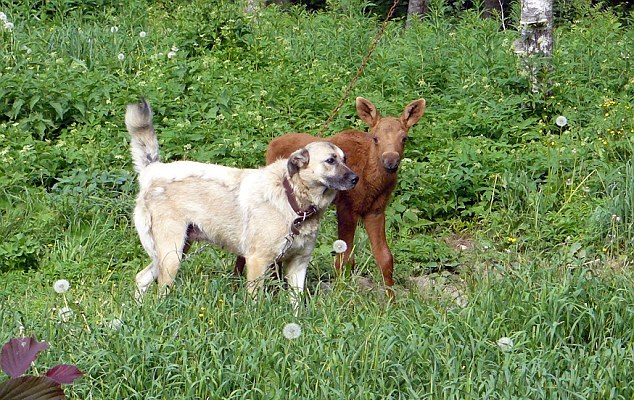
512	225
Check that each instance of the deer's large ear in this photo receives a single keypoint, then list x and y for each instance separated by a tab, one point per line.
413	112
367	112
297	160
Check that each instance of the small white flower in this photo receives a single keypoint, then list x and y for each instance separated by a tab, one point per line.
27	49
61	286
505	343
121	56
339	246
115	324
65	313
561	121
292	331
171	54
8	26
142	34
114	29
174	49
3	17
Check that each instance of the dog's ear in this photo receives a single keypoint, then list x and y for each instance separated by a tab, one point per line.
413	112
367	112
299	159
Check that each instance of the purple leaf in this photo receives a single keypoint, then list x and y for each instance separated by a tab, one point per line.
18	354
31	388
64	373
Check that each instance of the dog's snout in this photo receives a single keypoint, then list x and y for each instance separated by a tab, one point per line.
345	179
391	160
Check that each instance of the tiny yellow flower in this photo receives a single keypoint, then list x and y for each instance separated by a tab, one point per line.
211	322
511	239
201	315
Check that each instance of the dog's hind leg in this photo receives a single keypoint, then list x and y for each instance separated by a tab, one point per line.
170	238
144	279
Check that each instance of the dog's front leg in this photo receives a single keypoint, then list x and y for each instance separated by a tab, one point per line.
256	267
295	274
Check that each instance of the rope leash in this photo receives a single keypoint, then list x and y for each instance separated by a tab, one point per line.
364	63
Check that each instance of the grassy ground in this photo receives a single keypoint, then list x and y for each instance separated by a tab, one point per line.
512	234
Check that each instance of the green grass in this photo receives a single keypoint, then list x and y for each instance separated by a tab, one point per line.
544	213
571	329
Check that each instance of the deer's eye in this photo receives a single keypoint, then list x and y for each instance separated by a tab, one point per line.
375	139
404	139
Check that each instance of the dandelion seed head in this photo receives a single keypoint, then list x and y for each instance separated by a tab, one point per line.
292	331
121	56
505	343
339	246
61	286
114	29
8	26
3	17
142	34
561	121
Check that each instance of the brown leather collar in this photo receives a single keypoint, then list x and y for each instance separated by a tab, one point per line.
303	214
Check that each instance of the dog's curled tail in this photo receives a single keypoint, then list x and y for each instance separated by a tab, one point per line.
144	145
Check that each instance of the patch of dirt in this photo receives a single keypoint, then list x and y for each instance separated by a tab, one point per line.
461	242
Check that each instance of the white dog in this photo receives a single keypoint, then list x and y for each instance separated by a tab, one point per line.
267	215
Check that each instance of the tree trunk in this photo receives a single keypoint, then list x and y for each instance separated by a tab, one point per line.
535	45
253	6
415	9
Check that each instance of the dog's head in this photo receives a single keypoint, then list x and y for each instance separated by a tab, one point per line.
324	164
389	133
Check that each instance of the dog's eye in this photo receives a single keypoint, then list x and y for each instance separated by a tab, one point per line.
330	160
